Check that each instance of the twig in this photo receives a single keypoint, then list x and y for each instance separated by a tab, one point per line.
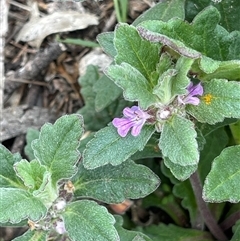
34	69
207	216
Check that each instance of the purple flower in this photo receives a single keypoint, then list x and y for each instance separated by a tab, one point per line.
191	98
133	118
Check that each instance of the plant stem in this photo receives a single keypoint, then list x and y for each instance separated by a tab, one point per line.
207	216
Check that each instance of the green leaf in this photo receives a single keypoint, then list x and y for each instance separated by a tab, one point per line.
90	221
163	90
207	129
235	130
166	201
192	39
30	172
178	142
114	184
35	235
104	97
106	42
137	52
107	147
32	134
220	100
229	10
8	176
127	235
96	120
180	80
236	230
57	146
164	11
150	150
173	233
23	223
216	141
224	177
179	171
38	179
135	86
184	190
17	205
226	70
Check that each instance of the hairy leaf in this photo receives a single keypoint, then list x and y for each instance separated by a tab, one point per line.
137	52
164	11
222	182
90	221
135	86
114	184
178	142
24	204
186	38
106	92
8	176
32	134
36	235
57	146
173	233
107	147
30	172
220	100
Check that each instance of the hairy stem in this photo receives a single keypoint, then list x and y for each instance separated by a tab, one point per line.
207	216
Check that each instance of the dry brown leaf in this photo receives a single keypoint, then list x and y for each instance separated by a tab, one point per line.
38	28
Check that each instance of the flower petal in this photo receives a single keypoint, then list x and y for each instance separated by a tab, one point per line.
137	129
119	122
130	112
192	100
196	90
122	131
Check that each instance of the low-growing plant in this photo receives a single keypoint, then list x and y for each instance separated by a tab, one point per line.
172	94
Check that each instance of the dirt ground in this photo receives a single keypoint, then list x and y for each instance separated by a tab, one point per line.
41	74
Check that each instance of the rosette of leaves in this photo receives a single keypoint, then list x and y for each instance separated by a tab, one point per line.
44	193
154	62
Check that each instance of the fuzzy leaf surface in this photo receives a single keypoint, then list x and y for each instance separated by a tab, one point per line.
30	172
173	233
57	146
107	147
137	52
86	220
164	11
135	86
222	182
32	236
178	142
94	120
226	70
229	10
197	36
106	42
32	134
114	184
102	87
220	100
128	235
8	176
24	204
179	171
